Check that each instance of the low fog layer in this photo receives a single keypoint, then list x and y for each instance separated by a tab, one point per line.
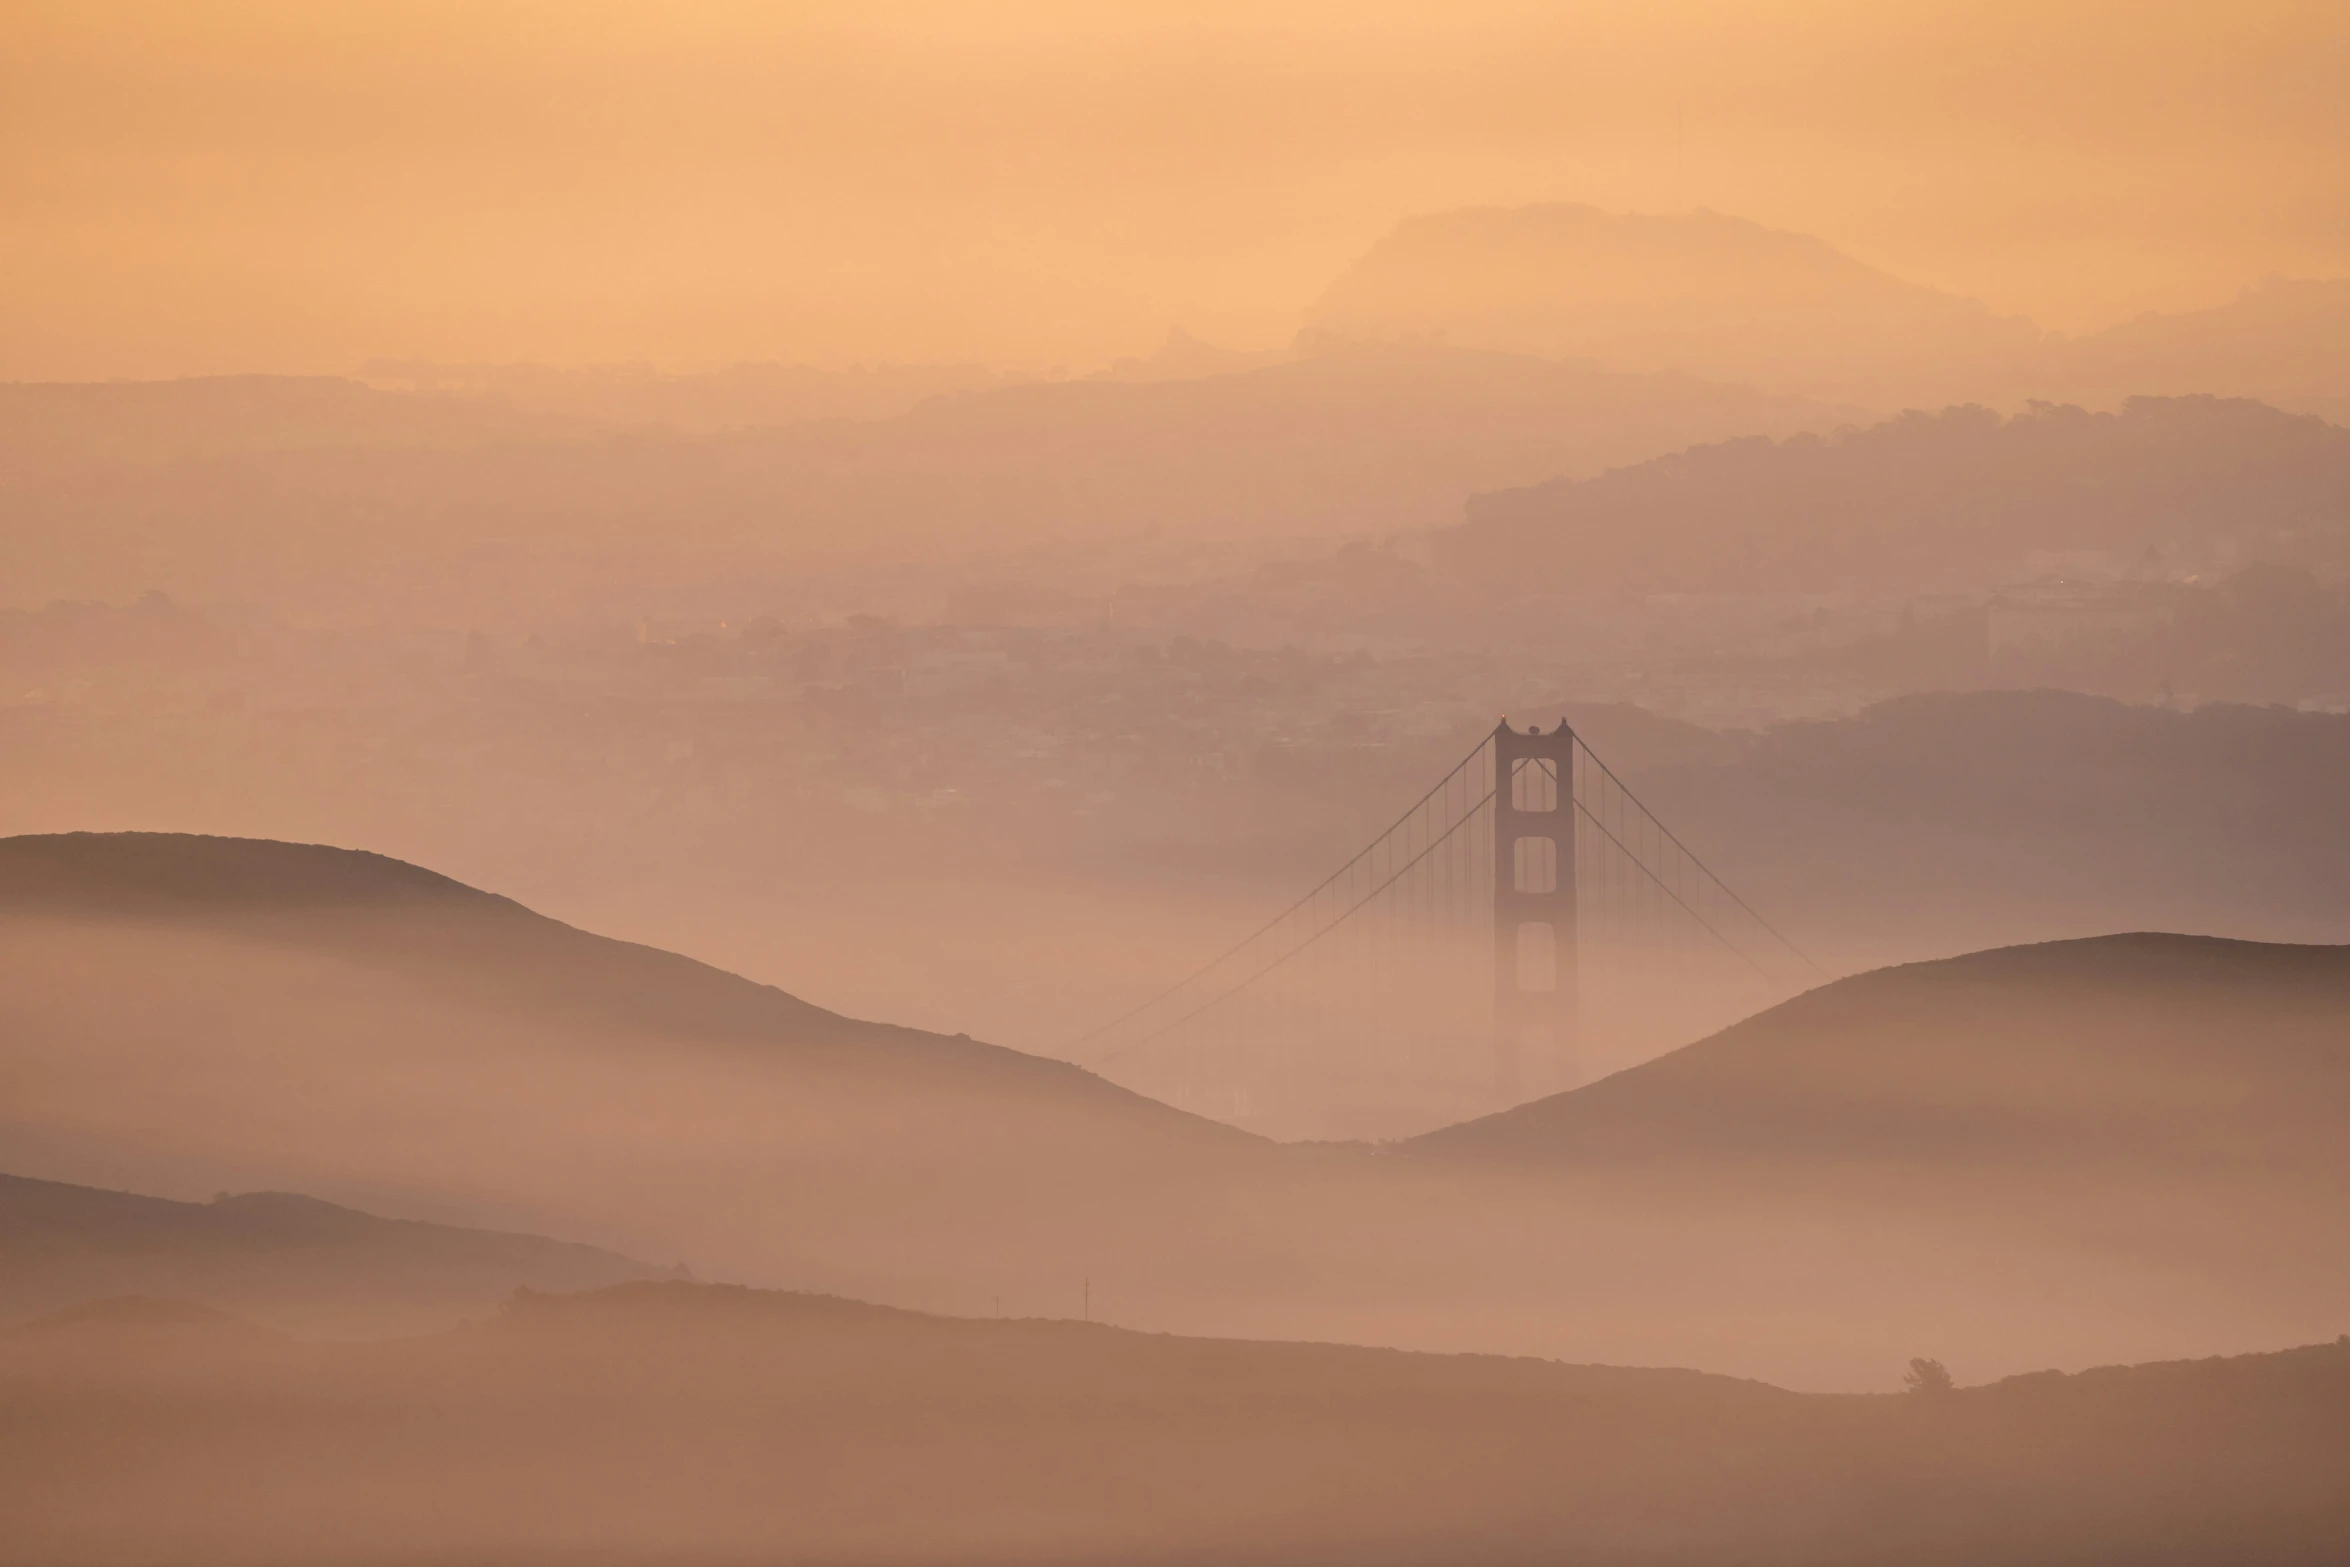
2041	1157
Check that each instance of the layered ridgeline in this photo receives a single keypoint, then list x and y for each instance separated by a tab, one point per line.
1938	823
189	1013
2054	1155
1344	440
1709	294
286	1261
1701	293
2191	543
692	1423
1949	503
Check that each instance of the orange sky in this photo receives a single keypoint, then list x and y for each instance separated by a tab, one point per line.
208	185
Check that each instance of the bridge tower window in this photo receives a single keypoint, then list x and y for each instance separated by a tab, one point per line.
1534	784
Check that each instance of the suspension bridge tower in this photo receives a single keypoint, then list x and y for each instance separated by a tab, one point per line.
1535	1009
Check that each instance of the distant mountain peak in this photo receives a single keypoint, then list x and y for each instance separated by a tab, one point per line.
1700	292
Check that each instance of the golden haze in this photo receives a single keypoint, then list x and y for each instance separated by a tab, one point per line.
231	186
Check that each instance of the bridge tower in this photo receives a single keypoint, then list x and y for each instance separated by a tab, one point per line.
1534	927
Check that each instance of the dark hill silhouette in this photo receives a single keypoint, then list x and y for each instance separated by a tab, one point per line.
1948	821
2174	1053
458	942
698	1423
1930	503
1718	296
292	1261
1702	293
639	397
2122	1147
55	427
2285	341
2136	1139
333	1021
1345	440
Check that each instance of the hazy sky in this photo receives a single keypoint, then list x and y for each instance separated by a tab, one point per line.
205	185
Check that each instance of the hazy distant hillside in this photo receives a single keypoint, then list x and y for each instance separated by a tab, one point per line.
1932	503
1935	823
292	1262
683	1423
634	397
2286	341
1722	297
1348	441
1701	293
191	1013
49	428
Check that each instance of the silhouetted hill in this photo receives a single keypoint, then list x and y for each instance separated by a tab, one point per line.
1717	296
2286	341
291	1261
224	1012
638	397
456	941
2177	1054
1701	293
2127	1144
1950	820
1931	503
48	428
692	1423
1348	440
2012	1161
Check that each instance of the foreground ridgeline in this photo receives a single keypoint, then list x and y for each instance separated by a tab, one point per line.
283	1260
2120	1149
682	1423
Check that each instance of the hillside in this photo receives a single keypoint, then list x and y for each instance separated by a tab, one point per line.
2127	1144
2285	341
1344	441
292	1262
1956	501
1712	295
64	427
1953	820
692	1423
1701	293
2012	1159
639	397
186	1014
2172	1054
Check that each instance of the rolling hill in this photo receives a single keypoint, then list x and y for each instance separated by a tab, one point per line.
63	427
679	1422
185	1014
2284	341
1346	440
1701	293
1951	502
2167	1053
2046	1156
1949	821
1713	295
2134	1141
292	1262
